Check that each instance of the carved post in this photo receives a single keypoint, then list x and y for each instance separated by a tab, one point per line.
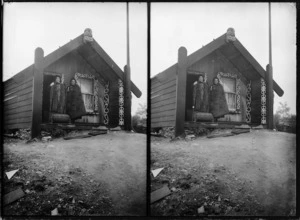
248	103
270	97
37	92
181	91
127	110
263	102
121	103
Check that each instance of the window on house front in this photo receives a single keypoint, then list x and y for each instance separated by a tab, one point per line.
87	88
229	85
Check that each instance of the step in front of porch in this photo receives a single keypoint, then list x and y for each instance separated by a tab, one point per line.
215	125
76	126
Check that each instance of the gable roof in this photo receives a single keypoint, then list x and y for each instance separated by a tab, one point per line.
95	56
235	53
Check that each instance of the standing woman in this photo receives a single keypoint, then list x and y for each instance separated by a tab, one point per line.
75	104
218	104
200	95
58	97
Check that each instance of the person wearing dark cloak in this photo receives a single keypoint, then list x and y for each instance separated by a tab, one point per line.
201	95
75	104
58	97
218	104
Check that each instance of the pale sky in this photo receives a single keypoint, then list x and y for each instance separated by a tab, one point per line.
195	24
50	25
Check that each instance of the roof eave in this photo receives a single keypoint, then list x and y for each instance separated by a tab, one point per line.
76	43
217	43
114	67
256	65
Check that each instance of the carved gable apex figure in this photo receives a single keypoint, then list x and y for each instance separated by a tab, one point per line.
88	35
230	35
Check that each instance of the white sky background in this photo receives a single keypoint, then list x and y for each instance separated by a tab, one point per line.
50	25
195	24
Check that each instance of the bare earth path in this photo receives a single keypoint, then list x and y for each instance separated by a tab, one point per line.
252	173
111	167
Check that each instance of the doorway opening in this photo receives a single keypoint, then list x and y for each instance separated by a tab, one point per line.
191	79
48	79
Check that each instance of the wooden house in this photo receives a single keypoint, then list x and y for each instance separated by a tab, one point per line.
244	80
26	94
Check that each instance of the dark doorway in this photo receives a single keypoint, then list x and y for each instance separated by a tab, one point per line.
191	78
48	79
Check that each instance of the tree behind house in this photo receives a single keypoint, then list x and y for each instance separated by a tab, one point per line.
284	121
139	120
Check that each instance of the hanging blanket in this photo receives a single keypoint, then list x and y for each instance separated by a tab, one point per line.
75	105
58	98
200	97
218	105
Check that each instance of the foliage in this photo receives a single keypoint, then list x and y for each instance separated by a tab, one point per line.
139	120
142	110
283	110
284	121
276	120
56	132
23	134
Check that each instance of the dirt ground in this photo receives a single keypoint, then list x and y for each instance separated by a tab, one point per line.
100	175
247	174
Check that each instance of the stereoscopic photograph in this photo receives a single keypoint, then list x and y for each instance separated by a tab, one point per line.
149	110
223	109
75	102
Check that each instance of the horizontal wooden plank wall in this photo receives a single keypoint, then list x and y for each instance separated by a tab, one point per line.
20	77
10	89
163	99
18	100
161	124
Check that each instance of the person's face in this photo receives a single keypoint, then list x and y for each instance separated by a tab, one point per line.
216	81
72	82
57	80
201	79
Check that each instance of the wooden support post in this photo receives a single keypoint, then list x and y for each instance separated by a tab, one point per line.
127	96
270	97
181	91
37	90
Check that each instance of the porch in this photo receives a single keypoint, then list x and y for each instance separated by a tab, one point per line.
219	125
72	127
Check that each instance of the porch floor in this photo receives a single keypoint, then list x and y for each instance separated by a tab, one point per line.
219	124
75	126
